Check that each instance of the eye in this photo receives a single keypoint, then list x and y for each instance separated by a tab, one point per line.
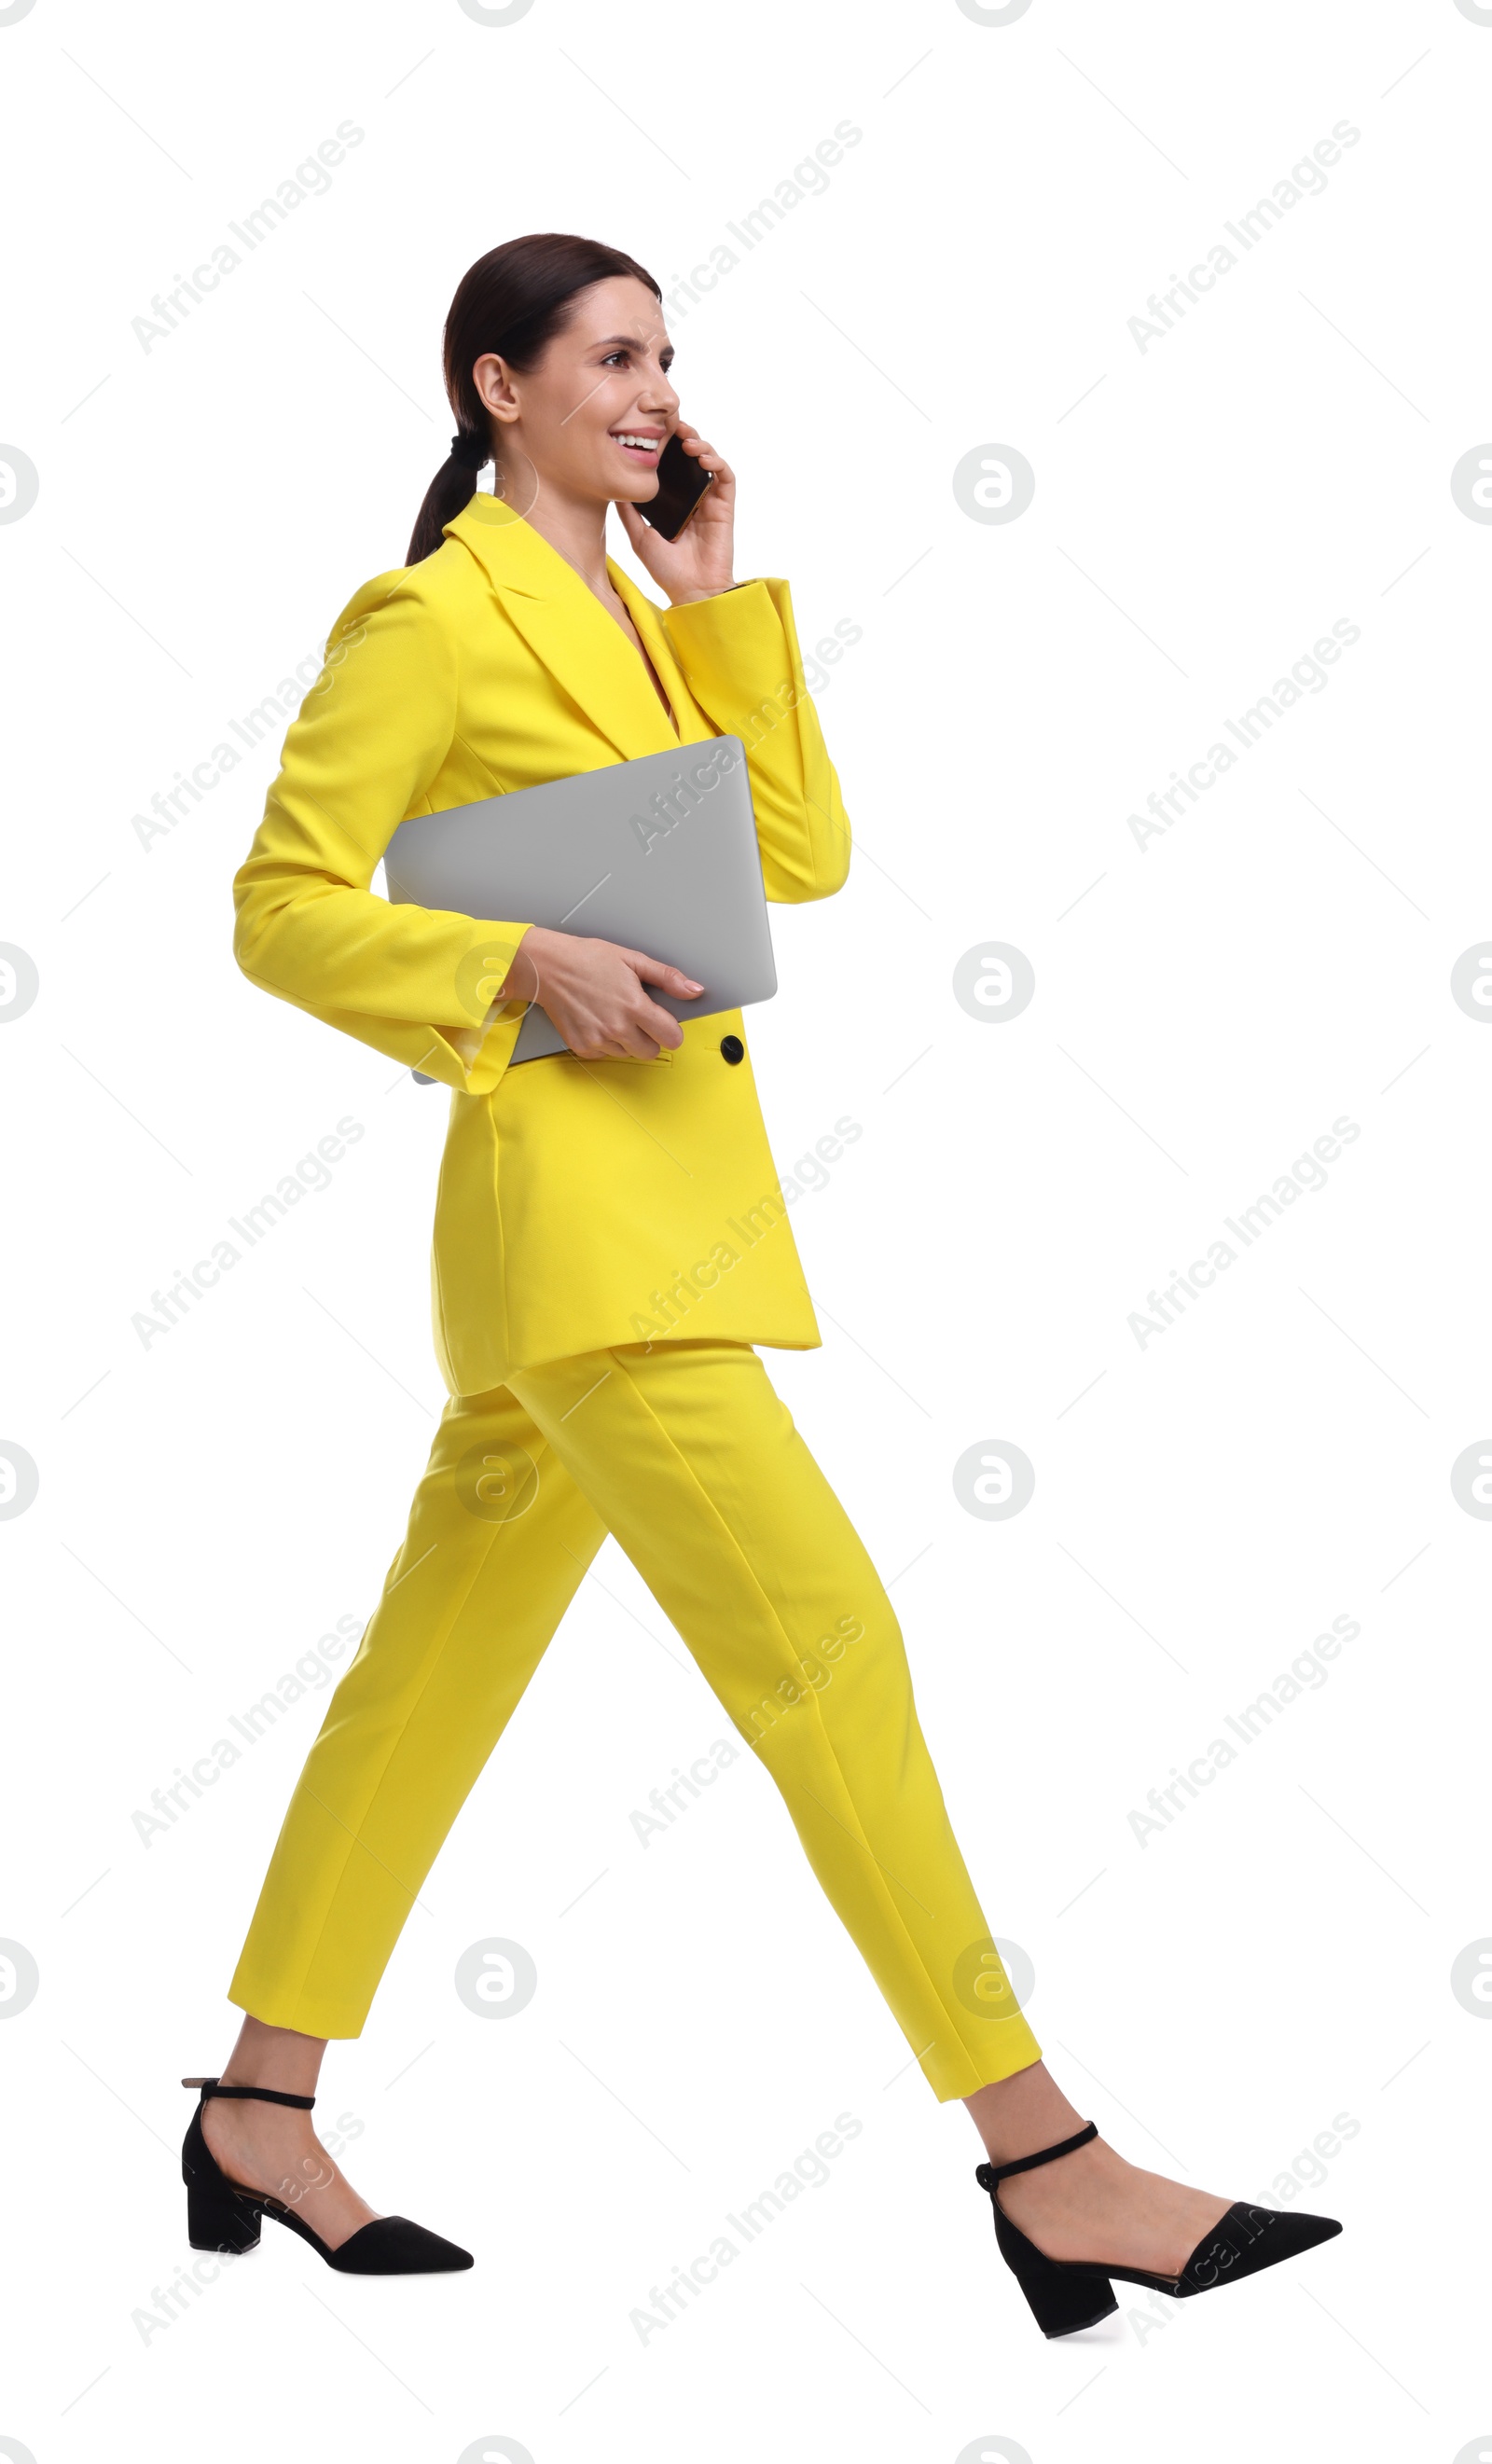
612	355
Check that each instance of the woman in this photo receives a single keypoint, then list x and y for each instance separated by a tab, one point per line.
610	1246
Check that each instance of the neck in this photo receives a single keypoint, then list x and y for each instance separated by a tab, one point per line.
575	526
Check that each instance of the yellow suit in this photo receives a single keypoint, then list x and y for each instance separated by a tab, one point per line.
574	1197
572	1193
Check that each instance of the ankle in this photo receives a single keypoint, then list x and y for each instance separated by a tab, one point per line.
266	2076
280	2058
1019	2115
1091	2176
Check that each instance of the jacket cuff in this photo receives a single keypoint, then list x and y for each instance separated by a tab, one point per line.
734	648
472	1059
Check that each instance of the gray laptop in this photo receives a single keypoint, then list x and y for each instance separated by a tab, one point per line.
659	855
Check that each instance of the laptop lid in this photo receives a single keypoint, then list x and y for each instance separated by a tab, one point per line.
659	854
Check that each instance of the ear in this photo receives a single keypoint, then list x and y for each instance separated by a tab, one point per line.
492	379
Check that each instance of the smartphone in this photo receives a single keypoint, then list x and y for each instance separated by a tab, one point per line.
681	483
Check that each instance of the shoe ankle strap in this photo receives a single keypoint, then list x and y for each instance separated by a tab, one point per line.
990	2174
260	2095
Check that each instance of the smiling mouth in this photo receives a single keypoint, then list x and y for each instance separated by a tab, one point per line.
638	444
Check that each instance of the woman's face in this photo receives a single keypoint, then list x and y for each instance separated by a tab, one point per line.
601	383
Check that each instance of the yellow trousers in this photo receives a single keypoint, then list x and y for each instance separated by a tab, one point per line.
687	1454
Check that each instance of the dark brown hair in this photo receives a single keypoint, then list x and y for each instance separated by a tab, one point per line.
514	301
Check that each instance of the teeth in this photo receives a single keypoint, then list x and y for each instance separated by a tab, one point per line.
645	443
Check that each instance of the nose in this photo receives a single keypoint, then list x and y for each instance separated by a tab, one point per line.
657	393
660	398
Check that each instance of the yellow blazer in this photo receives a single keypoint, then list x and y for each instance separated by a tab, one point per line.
580	1203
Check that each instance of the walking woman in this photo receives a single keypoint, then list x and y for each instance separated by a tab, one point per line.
610	1248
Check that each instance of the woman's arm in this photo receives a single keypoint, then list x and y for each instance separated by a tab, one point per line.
737	643
373	732
740	652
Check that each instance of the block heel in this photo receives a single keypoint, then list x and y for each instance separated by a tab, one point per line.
1068	2295
1062	2299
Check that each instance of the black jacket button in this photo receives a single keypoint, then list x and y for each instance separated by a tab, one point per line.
733	1049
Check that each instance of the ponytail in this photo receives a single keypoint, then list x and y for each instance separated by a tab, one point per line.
449	493
513	302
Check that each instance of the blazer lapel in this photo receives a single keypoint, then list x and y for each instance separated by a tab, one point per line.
694	726
567	629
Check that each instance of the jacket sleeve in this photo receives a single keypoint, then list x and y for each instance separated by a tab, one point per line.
373	732
740	651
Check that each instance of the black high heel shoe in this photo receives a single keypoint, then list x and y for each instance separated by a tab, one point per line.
225	2215
1067	2295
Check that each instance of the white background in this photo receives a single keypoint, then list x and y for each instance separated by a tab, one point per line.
1280	1953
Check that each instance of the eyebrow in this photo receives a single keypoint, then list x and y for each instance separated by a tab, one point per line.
630	342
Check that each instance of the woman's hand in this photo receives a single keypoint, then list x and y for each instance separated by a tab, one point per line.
698	562
592	991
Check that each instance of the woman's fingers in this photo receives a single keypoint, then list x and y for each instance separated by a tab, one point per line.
633	1029
658	1026
658	971
628	1042
701	451
593	992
